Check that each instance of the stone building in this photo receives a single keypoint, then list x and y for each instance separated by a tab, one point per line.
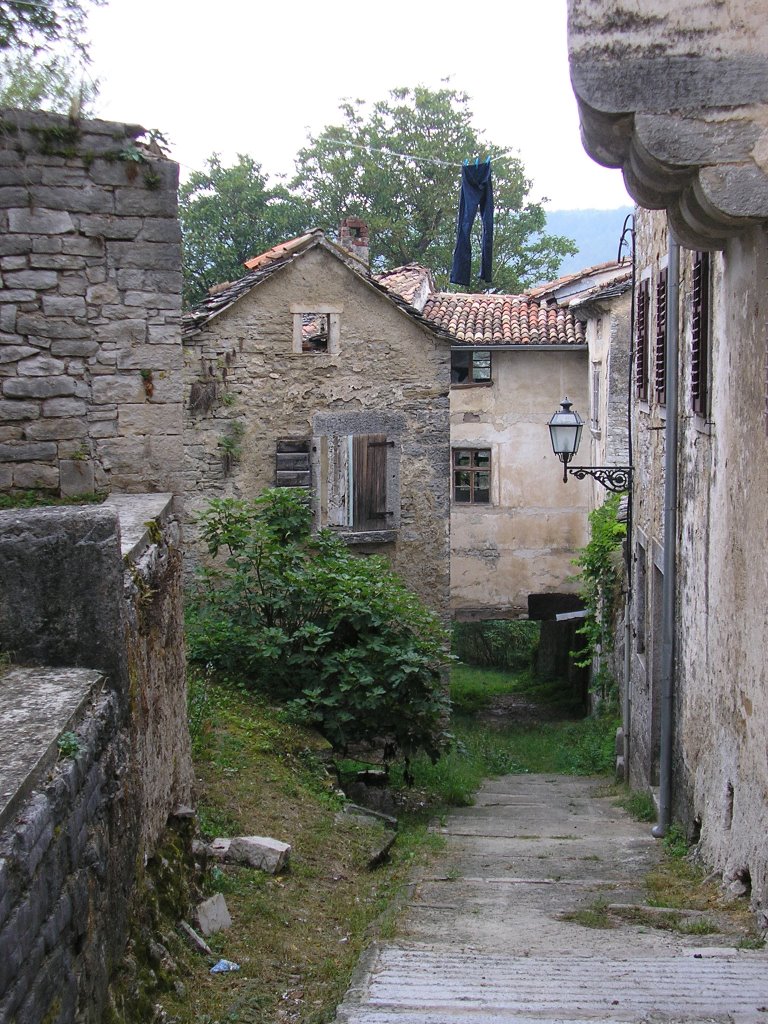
677	96
308	372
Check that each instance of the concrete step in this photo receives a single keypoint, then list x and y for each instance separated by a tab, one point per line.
442	986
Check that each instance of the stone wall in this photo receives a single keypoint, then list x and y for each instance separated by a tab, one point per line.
389	375
77	824
90	286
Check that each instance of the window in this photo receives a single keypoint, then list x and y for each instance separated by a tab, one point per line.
661	339
357	482
639	597
700	334
315	329
472	476
469	366
641	341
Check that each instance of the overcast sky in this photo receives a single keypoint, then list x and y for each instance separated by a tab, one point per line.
248	76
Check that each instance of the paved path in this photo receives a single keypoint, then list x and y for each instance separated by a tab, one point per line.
483	937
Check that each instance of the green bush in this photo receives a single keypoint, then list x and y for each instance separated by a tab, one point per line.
496	643
339	638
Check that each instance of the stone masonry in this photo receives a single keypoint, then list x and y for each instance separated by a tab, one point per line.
90	286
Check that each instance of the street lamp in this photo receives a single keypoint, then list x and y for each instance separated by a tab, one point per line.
565	429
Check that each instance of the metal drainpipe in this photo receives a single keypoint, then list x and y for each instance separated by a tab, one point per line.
668	609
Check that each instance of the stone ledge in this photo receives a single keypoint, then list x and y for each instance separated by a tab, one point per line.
36	706
135	512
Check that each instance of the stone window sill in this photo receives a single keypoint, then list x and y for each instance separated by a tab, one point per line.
367	536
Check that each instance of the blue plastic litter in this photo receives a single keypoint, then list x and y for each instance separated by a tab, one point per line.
224	965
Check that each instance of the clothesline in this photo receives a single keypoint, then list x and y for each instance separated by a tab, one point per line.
406	156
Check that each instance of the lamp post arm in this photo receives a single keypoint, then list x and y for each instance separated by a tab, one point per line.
613	478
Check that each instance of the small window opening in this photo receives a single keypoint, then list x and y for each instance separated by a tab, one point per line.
315	332
470	367
728	816
472	476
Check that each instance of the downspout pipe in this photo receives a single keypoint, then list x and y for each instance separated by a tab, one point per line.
669	591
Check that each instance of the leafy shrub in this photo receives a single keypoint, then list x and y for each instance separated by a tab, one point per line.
496	643
339	638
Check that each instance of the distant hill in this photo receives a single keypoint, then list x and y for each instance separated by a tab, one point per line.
596	233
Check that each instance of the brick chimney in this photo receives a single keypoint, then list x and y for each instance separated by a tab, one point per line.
353	236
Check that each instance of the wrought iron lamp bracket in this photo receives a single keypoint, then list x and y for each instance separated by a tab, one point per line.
613	478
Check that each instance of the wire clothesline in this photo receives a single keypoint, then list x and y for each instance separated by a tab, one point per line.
406	156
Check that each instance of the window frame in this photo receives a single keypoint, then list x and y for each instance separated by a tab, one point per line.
472	380
472	471
333	313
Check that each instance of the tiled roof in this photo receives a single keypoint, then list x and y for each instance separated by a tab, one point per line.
412	282
503	320
590	280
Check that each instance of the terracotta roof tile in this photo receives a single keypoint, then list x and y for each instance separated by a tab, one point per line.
503	320
412	282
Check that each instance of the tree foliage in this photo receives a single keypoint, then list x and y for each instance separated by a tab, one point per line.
229	214
37	24
44	82
398	166
338	637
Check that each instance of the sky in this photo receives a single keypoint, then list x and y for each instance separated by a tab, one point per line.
255	77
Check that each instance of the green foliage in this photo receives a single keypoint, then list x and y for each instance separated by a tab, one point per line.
68	744
32	26
38	499
675	842
45	82
228	215
385	164
639	804
509	645
339	638
600	574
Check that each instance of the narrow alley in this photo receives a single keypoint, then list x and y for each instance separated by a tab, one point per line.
493	931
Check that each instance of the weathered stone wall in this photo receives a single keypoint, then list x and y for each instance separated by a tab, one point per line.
90	286
389	374
721	710
75	834
523	541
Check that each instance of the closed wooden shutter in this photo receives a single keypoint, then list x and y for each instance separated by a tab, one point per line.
292	463
641	350
369	475
661	338
700	334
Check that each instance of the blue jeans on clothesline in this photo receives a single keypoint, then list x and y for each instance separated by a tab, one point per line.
476	193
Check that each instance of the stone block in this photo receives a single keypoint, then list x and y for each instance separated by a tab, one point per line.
17	295
160	230
75	200
46	244
150	357
37	279
12	195
14	262
164	334
55	305
101	293
6	481
219	848
40	366
23	451
51	429
28	476
56	261
38	387
10	410
147	204
76	477
79	246
103	428
38	221
73	283
48	327
153	300
8	319
124	332
15	244
260	852
212	915
10	353
143	255
74	347
159	420
119	389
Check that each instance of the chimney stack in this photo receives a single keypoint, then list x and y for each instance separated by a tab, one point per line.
353	236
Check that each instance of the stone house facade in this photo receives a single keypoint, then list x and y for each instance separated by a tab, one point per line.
678	99
307	372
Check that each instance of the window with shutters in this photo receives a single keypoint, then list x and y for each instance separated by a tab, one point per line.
641	341
469	366
292	463
660	362
358	475
472	476
700	334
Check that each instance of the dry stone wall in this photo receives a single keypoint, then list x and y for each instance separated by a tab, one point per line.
90	286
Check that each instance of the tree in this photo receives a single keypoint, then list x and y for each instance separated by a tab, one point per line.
229	214
338	637
37	24
398	167
45	83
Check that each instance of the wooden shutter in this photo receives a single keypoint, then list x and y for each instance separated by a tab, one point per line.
700	334
641	349
292	463
661	338
369	475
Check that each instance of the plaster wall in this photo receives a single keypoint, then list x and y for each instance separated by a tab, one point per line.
721	698
523	541
388	375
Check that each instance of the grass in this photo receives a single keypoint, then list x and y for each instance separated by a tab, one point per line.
474	689
639	804
36	499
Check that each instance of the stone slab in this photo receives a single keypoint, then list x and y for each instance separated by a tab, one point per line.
213	915
36	706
